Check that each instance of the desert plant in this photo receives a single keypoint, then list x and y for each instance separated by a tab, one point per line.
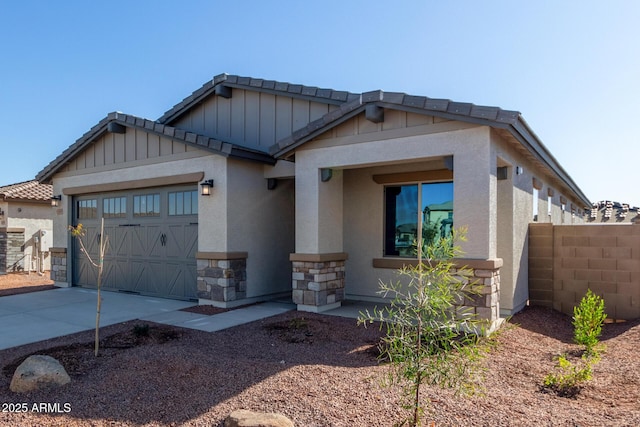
568	377
427	339
79	233
140	330
588	318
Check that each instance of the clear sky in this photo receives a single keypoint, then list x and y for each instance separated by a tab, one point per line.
571	67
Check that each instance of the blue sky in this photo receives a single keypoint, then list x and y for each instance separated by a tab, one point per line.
571	67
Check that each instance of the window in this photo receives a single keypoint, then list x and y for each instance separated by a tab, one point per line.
87	209
146	205
401	215
114	207
535	204
183	203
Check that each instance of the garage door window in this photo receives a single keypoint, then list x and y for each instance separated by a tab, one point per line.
183	203
114	207
87	209
146	205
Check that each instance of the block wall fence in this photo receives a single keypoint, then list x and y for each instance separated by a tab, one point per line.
567	260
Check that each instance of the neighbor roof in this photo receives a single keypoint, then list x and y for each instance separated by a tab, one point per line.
201	141
27	191
312	93
510	121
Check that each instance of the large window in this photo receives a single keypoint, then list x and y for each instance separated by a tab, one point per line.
401	215
183	203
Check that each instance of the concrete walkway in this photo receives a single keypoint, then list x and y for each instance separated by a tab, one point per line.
37	316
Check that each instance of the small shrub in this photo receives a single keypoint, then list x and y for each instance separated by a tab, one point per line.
141	330
588	318
568	379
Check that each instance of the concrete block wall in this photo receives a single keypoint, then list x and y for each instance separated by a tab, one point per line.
566	261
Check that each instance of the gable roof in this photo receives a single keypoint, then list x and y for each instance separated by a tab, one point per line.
511	122
312	93
27	191
190	138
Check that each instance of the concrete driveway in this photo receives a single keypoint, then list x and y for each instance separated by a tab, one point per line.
37	316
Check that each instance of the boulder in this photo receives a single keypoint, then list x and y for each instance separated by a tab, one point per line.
38	372
244	418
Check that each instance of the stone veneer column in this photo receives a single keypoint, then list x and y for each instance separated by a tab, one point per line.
58	265
486	305
318	281
222	277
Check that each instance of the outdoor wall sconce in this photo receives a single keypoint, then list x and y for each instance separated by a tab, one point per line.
519	170
206	187
272	183
55	201
1	212
325	174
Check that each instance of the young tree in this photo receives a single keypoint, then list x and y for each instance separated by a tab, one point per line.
428	339
79	232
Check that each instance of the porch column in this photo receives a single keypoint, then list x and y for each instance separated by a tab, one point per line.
474	199
318	273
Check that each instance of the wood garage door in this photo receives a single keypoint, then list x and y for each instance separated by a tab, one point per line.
153	238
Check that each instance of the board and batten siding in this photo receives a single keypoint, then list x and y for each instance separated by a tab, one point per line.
133	145
251	119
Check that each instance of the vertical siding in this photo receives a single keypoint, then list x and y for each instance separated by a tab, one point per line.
251	119
283	117
267	120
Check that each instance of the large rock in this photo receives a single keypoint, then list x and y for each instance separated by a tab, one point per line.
38	372
244	418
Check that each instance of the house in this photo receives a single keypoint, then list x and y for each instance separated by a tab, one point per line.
252	189
609	212
25	227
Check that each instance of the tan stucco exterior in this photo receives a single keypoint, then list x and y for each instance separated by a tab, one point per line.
296	205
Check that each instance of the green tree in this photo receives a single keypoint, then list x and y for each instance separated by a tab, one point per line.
429	339
79	233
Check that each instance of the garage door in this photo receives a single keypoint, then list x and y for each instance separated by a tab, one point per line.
153	238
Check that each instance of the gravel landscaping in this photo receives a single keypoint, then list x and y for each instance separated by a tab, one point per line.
317	370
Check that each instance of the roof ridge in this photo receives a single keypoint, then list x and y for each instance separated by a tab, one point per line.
327	95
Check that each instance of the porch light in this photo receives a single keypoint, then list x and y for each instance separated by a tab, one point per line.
206	187
55	201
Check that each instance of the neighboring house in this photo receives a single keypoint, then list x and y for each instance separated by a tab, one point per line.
26	220
608	212
313	194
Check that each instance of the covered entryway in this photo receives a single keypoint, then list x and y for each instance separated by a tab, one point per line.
153	239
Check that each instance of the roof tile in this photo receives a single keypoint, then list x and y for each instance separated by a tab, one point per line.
28	190
414	101
459	108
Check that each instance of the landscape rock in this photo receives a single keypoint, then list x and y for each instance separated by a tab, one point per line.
244	418
37	372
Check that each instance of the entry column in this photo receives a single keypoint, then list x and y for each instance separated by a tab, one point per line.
318	265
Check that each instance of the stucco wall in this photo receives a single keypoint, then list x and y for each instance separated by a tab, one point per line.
32	217
261	223
469	146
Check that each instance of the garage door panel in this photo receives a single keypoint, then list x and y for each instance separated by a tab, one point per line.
150	252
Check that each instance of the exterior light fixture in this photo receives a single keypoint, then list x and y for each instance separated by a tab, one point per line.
206	187
55	201
325	174
519	170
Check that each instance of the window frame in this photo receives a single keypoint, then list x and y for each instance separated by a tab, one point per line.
389	240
